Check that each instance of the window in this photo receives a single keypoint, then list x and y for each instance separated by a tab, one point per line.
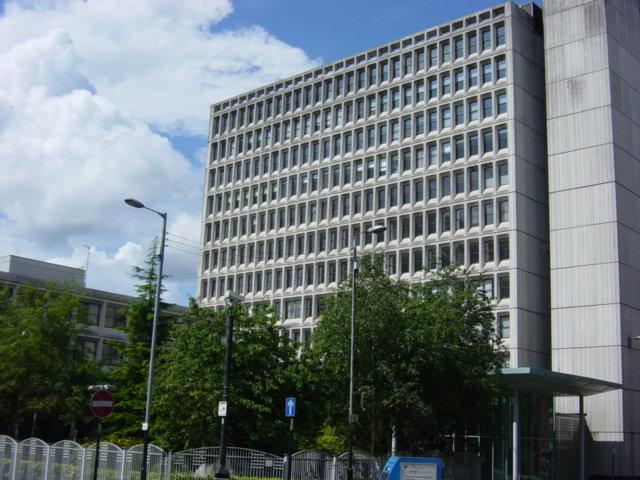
504	325
114	317
472	43
473	110
459	177
446	84
433	88
431	223
487	176
474	219
487	141
487	107
420	124
486	72
445	151
433	121
459	80
503	211
502	103
503	248
485	36
445	49
488	250
500	34
472	76
503	174
293	309
459	148
474	256
458	48
501	68
446	117
459	218
488	214
433	154
407	95
408	64
503	286
473	144
93	309
433	55
432	188
420	91
445	220
404	262
502	138
445	185
459	114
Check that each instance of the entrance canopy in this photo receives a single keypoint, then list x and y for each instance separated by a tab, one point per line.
538	380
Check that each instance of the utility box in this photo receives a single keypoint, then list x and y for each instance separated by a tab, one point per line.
412	468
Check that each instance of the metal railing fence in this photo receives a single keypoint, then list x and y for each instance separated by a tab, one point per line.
33	459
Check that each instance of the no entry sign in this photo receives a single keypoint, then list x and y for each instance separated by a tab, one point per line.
101	403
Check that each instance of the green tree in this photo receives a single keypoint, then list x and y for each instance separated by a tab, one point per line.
425	353
43	369
130	374
190	377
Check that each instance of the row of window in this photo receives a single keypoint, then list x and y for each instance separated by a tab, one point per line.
457	114
446	184
113	315
444	53
403	262
410	227
493	140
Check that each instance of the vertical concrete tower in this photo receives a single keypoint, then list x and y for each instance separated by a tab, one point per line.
592	54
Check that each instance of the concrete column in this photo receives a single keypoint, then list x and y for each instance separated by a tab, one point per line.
516	438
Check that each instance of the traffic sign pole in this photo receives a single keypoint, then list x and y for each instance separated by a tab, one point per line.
97	459
290	460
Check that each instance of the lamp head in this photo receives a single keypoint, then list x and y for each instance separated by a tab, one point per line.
132	202
376	229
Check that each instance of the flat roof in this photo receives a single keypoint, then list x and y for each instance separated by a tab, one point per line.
539	380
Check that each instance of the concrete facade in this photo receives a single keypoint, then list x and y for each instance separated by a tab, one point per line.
440	136
592	51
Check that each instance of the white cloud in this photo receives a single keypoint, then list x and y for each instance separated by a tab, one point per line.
84	89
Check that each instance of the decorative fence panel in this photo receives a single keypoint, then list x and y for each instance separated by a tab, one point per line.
8	452
31	460
312	465
66	459
203	462
110	462
155	462
365	466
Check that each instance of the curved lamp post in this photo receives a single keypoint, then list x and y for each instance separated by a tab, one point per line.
375	229
152	356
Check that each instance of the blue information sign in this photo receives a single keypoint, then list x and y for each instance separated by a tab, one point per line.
290	407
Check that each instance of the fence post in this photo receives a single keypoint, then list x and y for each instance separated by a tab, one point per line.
334	468
124	458
46	463
84	459
167	465
14	463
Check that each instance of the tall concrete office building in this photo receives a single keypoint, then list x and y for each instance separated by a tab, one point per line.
592	51
505	141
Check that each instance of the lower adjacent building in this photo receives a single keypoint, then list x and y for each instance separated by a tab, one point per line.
507	142
105	309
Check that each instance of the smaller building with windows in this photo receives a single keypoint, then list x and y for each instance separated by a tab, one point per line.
105	310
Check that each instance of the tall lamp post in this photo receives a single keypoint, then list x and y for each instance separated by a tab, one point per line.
375	229
152	356
232	299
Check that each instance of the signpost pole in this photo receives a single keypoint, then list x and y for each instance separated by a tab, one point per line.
290	412
289	459
97	458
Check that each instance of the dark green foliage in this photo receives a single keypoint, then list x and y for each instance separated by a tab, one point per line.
424	355
190	374
43	369
130	375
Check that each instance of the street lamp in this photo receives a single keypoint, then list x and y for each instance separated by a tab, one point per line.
152	356
375	229
232	299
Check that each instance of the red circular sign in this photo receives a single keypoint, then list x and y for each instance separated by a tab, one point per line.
101	403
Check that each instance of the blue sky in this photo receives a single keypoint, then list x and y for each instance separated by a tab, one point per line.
102	100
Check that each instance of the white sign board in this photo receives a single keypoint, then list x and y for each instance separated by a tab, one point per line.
222	409
419	471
